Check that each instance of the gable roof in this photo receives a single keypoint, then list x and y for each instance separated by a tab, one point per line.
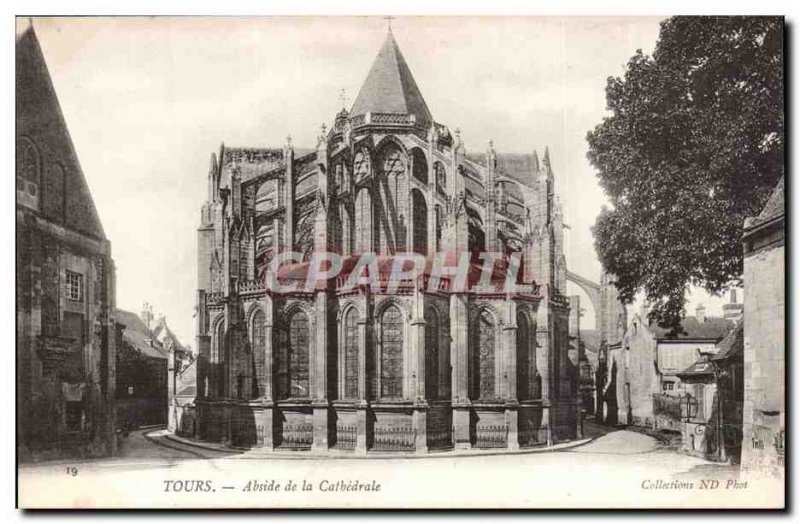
732	345
774	207
712	329
390	86
39	118
138	336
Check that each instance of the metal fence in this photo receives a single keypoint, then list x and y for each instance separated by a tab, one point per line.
439	436
297	436
394	438
346	437
491	436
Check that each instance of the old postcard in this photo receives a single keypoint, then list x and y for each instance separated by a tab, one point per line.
400	262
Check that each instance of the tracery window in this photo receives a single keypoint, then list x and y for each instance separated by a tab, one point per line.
526	360
351	363
483	353
361	165
420	222
392	353
293	360
298	362
431	354
218	359
259	343
420	165
363	223
391	207
440	177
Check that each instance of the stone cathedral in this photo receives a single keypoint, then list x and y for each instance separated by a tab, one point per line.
359	370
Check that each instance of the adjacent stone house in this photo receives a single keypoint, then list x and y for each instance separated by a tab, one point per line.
65	282
711	404
648	362
141	374
764	414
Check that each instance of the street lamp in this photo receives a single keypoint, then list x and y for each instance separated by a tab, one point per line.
689	406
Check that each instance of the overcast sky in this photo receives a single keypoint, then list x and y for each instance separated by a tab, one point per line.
147	100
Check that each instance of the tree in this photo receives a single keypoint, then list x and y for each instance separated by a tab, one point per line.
693	146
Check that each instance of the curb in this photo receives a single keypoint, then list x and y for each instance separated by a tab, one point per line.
255	453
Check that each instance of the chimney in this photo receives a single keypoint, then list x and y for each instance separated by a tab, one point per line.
147	315
733	310
700	313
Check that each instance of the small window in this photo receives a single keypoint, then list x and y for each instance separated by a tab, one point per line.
74	415
668	386
74	286
130	390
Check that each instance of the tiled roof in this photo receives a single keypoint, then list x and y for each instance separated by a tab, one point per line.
713	328
773	209
138	336
390	86
732	344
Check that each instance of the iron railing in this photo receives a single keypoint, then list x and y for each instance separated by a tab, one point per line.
394	438
346	436
297	436
439	436
491	436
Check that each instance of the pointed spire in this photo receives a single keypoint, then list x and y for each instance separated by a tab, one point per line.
390	86
212	168
546	160
536	166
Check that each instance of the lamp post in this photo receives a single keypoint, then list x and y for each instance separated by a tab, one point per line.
721	456
688	407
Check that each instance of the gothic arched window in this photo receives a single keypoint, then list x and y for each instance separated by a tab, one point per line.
259	343
526	359
440	177
218	358
392	353
420	222
483	351
298	355
293	359
29	170
361	166
363	223
351	364
391	208
432	354
420	165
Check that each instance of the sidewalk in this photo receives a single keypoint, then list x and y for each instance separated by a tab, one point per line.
260	453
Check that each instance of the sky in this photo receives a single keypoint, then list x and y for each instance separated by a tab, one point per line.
147	100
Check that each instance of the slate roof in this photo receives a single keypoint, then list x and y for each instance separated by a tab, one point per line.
729	347
138	336
713	328
390	86
39	118
732	344
773	209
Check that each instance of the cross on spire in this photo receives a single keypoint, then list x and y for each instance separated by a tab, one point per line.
343	98
389	22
